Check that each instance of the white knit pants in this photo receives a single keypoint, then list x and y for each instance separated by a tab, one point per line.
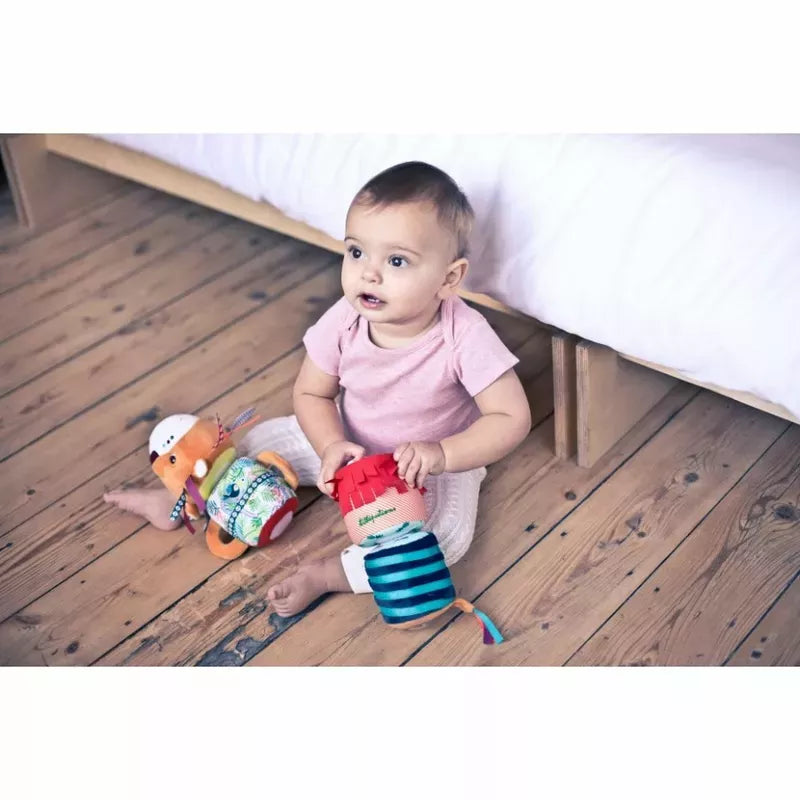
451	500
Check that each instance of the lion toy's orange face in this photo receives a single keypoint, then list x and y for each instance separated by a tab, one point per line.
184	446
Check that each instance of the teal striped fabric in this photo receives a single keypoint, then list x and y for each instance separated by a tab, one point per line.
409	578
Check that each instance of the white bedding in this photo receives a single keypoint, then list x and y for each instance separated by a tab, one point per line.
680	250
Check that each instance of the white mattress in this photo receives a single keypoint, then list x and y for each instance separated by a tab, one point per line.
680	250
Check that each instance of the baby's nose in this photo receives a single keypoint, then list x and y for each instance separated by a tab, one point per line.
371	274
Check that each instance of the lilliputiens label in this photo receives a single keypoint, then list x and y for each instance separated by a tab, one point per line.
372	517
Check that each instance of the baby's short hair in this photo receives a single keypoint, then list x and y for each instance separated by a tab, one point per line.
416	181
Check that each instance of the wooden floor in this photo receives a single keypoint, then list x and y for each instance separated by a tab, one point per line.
681	546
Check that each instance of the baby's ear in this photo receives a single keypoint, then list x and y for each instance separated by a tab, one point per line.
454	277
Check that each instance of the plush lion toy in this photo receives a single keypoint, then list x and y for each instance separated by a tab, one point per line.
249	502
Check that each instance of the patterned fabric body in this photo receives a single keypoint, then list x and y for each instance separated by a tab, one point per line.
246	497
409	578
395	532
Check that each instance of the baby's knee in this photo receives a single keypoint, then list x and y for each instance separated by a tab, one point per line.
455	543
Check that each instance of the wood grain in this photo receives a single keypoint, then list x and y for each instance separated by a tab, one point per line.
554	598
775	640
63	339
612	395
524	497
565	395
228	617
40	302
42	255
90	612
232	273
720	580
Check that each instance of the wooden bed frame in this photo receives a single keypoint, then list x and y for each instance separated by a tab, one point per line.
599	394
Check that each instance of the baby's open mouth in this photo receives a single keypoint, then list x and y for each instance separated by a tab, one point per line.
370	301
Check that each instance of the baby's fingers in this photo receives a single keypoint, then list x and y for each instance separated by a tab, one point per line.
424	471
399	450
404	460
353	452
325	482
413	468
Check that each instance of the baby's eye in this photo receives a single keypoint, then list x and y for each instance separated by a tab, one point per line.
398	261
354	251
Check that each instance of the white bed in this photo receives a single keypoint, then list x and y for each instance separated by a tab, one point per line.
683	251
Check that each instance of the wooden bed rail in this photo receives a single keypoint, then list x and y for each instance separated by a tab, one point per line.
601	394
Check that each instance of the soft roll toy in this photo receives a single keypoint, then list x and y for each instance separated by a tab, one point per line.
405	567
248	502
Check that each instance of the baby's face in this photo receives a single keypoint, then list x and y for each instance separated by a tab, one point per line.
396	262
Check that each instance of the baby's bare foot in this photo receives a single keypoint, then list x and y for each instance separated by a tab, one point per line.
298	591
155	505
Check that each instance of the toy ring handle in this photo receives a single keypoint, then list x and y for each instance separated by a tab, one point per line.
222	544
268	458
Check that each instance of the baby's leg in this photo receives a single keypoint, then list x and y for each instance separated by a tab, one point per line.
451	501
284	436
312	580
155	505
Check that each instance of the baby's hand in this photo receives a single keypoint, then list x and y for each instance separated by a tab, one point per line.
335	456
417	460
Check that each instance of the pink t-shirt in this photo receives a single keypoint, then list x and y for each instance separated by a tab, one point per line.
422	392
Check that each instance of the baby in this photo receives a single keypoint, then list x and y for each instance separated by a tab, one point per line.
417	373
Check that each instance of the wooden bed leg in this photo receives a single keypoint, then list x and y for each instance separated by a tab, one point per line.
46	187
564	395
612	396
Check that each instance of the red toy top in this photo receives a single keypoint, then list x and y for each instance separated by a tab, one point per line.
364	481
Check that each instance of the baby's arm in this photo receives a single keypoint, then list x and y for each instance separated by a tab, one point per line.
314	394
315	408
504	423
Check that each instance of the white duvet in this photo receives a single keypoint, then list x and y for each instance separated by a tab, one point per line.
680	250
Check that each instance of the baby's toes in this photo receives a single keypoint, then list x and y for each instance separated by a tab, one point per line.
277	592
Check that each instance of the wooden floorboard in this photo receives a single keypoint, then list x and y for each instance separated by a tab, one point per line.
37	257
146	305
229	277
569	584
775	640
717	584
93	296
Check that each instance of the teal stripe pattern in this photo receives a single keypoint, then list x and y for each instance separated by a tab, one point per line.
409	577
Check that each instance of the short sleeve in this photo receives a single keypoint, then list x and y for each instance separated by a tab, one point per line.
480	355
323	340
